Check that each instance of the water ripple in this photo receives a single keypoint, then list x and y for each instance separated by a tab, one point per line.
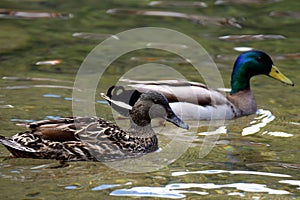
51	95
247	187
264	117
161	192
278	134
176	190
105	186
231	172
179	190
291	182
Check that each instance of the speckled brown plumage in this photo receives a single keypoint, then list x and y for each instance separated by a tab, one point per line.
91	138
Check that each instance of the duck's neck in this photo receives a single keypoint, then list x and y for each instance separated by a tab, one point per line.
140	121
240	80
244	101
241	95
140	131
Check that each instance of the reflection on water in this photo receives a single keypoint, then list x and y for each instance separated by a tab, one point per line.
220	130
291	182
167	4
51	95
49	62
108	186
6	106
94	36
264	117
230	172
161	192
201	19
176	190
285	14
15	78
12	14
278	134
38	86
72	187
223	2
242	49
248	38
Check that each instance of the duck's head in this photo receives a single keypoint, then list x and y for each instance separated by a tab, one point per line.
254	63
151	105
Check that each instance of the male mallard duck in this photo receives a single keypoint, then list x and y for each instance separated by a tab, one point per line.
91	138
191	100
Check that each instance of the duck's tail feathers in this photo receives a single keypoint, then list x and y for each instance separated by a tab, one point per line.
14	146
121	99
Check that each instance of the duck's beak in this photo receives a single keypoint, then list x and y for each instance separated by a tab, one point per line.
171	117
275	73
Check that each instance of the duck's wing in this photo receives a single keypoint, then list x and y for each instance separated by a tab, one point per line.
62	139
181	91
63	129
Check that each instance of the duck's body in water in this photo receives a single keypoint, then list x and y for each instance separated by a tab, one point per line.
192	100
91	138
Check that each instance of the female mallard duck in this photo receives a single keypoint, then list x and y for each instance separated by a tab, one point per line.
190	100
90	138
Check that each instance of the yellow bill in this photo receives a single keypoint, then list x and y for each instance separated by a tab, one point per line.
275	73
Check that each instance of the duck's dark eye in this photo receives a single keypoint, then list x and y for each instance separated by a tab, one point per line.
259	58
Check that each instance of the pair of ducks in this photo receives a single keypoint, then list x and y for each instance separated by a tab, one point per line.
96	139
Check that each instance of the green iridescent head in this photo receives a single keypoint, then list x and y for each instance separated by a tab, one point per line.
250	64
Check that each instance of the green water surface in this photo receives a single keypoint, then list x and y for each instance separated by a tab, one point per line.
26	41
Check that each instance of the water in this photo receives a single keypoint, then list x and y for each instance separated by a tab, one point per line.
255	157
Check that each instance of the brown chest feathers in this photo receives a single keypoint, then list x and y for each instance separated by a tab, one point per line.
244	101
